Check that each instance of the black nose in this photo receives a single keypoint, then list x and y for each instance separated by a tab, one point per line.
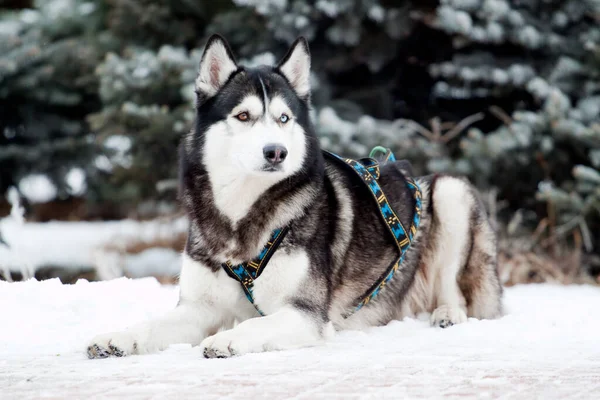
274	153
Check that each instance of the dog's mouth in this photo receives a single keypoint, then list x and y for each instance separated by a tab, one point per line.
271	168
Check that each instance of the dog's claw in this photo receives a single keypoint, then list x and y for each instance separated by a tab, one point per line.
96	351
212	353
445	323
115	351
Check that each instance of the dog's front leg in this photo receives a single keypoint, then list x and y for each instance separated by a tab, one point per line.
209	300
187	323
290	327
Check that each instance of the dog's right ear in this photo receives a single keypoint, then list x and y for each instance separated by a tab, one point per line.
216	67
295	66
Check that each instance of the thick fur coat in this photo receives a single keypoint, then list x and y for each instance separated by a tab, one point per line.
252	164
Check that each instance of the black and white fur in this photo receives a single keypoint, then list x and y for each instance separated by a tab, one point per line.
236	193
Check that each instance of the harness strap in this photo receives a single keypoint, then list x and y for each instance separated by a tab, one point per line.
246	272
368	170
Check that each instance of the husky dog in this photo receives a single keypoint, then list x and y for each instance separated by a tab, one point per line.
252	164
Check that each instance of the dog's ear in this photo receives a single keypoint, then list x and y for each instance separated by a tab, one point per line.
216	67
295	66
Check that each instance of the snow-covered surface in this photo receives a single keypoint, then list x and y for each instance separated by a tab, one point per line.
76	182
546	347
37	188
81	244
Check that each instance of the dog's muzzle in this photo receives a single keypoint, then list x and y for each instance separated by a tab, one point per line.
275	153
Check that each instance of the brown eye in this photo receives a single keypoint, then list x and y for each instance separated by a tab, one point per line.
243	116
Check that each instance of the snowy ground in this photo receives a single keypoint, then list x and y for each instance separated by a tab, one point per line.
546	347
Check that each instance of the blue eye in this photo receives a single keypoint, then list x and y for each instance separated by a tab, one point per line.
284	118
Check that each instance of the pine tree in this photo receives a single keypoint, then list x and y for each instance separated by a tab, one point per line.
505	92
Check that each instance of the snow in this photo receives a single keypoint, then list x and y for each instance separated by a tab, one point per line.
151	262
120	145
377	13
545	347
37	188
76	182
329	8
10	28
17	212
81	244
262	6
266	58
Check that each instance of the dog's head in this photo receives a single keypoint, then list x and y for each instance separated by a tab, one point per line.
253	121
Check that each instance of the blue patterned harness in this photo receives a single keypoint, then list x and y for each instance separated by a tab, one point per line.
245	273
368	170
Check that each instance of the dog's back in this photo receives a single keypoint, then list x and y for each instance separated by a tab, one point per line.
450	269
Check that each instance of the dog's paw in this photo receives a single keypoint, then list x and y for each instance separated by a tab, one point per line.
446	316
119	344
231	343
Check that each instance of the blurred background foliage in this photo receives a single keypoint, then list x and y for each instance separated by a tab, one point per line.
95	94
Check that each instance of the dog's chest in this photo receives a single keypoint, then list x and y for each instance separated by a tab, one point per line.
281	280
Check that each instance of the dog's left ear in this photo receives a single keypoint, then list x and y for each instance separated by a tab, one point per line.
216	67
295	66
